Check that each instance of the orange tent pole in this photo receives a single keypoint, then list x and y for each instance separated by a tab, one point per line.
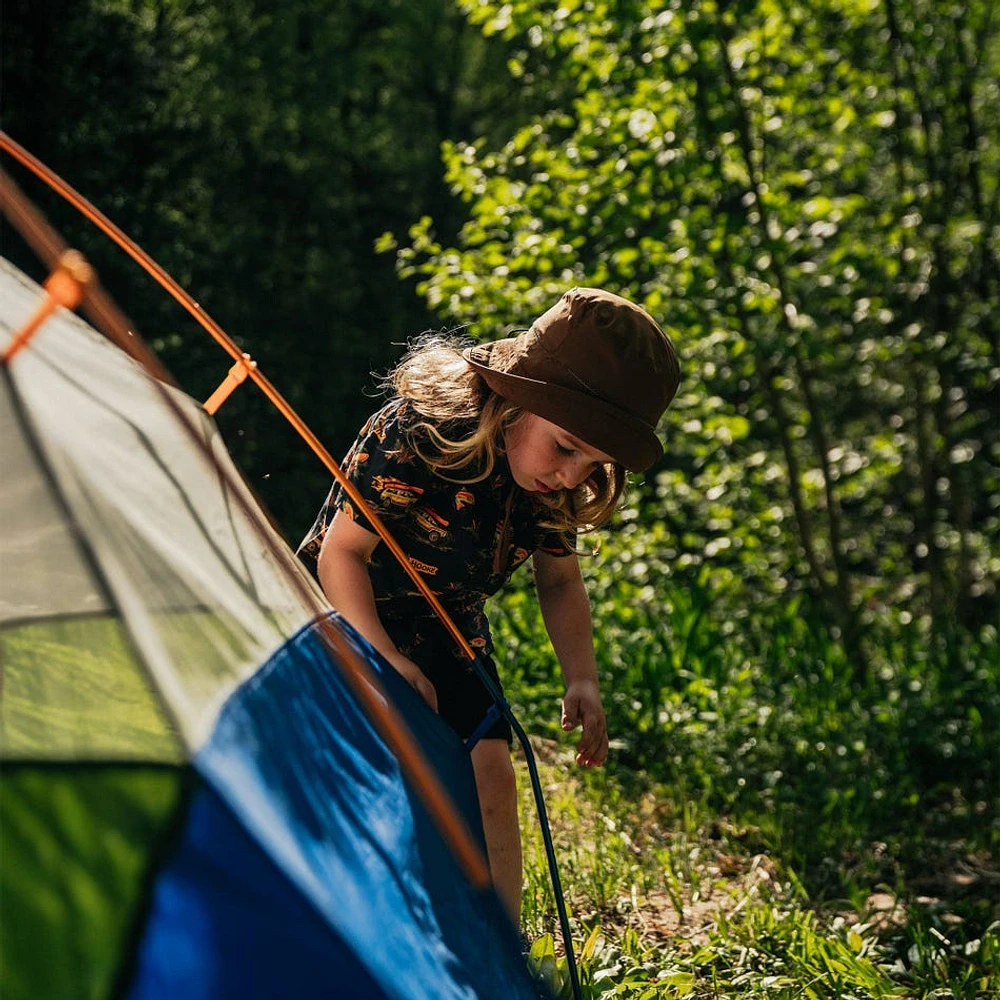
412	761
51	250
224	340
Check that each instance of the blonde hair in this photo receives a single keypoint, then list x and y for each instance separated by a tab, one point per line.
448	397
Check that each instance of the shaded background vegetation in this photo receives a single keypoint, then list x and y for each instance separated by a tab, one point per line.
256	150
798	613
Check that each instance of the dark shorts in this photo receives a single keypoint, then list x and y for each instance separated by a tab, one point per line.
463	700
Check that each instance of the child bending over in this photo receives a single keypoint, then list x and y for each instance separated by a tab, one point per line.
485	456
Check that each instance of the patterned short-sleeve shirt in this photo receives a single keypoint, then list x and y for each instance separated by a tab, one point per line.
466	539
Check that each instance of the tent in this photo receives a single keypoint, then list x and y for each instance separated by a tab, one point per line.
195	801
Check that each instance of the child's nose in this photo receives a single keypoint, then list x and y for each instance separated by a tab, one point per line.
570	474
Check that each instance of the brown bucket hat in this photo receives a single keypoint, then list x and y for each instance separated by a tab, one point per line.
595	364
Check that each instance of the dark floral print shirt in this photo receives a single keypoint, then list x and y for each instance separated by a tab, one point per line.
466	539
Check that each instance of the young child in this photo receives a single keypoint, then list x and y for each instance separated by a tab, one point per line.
484	456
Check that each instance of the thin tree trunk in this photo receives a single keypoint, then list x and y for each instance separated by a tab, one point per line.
842	590
768	373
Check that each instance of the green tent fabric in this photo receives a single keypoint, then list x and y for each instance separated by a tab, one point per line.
144	600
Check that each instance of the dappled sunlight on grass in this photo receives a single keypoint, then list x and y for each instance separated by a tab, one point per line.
665	897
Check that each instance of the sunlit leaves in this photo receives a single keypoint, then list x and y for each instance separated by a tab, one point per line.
773	182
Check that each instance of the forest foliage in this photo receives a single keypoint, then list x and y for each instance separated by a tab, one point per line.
256	150
807	195
798	610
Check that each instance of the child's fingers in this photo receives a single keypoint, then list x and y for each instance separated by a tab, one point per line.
593	757
592	750
426	690
417	679
570	713
597	753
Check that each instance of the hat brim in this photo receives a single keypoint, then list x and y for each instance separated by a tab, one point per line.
594	421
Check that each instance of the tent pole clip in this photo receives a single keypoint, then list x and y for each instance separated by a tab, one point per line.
237	375
65	286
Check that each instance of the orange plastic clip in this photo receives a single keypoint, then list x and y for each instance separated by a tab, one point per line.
237	375
65	286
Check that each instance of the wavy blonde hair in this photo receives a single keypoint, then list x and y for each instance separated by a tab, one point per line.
459	424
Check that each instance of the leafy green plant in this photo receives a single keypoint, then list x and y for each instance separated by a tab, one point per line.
739	924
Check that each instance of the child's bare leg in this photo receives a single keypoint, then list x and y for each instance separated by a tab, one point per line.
497	789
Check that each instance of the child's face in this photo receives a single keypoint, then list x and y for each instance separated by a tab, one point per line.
543	457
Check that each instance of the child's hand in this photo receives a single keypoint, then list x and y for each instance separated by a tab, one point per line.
582	706
416	678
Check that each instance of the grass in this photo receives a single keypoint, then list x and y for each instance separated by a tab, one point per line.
769	825
772	822
669	901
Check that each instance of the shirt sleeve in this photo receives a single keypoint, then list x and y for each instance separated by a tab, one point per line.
308	550
385	470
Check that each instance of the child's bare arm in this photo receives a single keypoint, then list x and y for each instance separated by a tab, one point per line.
343	575
566	612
